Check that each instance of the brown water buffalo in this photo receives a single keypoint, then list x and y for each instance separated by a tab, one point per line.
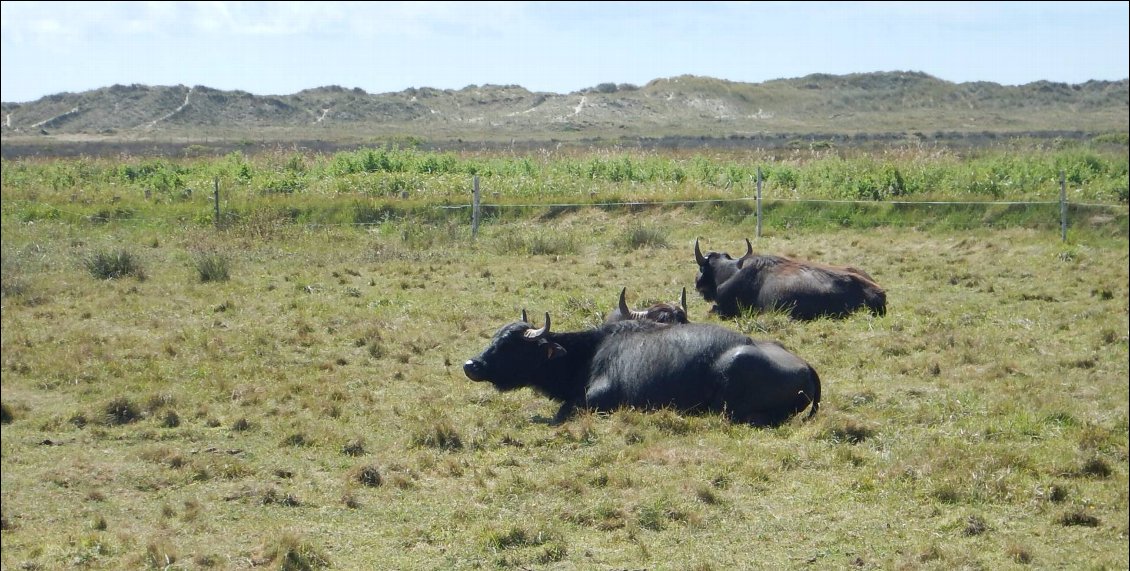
806	290
658	312
696	367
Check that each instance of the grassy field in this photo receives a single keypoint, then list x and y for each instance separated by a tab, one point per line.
286	391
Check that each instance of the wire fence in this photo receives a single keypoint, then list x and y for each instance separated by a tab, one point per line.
763	209
486	207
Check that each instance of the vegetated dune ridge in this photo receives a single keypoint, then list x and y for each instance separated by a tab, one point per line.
679	111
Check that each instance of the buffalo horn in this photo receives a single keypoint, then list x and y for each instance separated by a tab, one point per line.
629	313
748	253
537	333
683	299
698	254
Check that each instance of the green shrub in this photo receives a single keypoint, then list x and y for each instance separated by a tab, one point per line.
212	268
638	236
108	265
121	411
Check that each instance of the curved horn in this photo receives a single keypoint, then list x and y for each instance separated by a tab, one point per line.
698	254
683	299
748	253
627	312
524	318
538	333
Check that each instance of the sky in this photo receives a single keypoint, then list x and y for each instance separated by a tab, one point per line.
281	48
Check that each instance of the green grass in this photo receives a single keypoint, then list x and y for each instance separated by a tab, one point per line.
311	412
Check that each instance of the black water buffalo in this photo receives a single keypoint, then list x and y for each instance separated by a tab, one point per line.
806	290
695	367
659	312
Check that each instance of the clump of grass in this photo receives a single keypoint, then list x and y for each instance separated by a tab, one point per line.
192	510
708	495
537	244
159	555
441	435
212	268
354	447
99	523
116	264
297	439
272	496
158	401
13	286
371	340
975	525
947	494
1019	554
850	431
121	411
552	245
515	536
369	475
654	515
1078	517
639	236
290	552
669	422
1095	468
78	420
170	419
1057	493
552	553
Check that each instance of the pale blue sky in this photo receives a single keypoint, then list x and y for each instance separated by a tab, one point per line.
280	48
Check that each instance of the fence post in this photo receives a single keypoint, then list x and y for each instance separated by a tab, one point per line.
1062	206
216	198
475	207
758	202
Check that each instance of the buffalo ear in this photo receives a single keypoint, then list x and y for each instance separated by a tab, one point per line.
552	350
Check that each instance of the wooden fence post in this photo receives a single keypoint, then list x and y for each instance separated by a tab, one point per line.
475	208
1062	207
216	198
758	202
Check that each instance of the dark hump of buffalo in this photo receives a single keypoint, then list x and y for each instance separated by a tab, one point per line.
675	312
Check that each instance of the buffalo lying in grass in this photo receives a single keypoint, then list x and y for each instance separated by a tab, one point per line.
658	312
805	290
695	367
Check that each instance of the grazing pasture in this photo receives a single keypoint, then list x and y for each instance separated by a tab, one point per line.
286	395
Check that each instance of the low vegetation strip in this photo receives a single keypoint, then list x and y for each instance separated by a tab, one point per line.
1094	172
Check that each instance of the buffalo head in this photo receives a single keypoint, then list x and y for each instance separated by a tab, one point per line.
715	268
515	349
